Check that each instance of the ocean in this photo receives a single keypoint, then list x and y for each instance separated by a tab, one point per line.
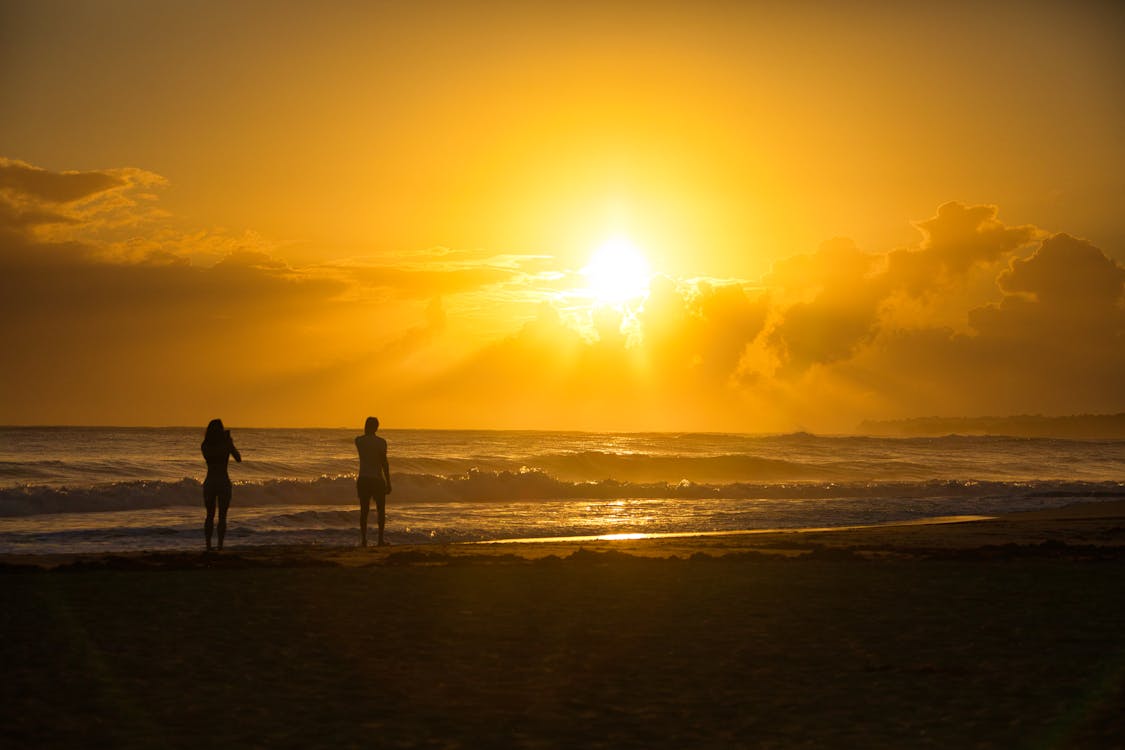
86	489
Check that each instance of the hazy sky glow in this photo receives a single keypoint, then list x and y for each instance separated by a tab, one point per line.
298	214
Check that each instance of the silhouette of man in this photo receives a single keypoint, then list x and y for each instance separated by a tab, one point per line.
374	479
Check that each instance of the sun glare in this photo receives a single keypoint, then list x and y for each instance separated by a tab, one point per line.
617	272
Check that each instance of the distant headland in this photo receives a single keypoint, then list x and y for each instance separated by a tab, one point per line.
1087	426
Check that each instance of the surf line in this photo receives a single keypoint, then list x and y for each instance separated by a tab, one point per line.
632	536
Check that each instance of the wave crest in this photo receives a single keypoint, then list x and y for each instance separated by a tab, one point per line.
506	486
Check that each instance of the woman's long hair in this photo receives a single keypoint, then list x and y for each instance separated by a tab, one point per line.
214	432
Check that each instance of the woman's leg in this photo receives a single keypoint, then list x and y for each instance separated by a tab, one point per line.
209	497
224	506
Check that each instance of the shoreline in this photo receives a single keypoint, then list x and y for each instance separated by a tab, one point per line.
1080	531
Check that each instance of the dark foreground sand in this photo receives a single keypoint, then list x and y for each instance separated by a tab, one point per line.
1001	633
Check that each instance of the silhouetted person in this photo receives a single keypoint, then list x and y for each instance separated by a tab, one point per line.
217	449
374	479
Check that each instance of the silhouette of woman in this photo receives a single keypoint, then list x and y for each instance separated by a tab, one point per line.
217	449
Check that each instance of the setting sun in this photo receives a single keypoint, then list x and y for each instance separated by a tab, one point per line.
617	272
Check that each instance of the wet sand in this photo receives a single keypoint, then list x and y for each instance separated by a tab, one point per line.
1002	632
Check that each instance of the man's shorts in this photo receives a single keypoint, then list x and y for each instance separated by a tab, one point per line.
369	487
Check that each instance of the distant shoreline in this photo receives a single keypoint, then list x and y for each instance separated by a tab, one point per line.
1077	426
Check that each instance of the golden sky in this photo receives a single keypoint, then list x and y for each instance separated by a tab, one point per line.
807	213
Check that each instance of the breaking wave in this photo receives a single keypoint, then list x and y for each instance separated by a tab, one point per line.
519	485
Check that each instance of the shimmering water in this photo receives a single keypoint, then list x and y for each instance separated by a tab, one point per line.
101	489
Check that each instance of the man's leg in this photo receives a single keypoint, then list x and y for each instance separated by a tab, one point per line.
364	509
381	508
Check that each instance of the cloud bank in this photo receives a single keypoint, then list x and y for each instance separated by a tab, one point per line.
110	314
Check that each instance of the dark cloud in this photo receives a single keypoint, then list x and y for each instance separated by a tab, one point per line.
842	313
842	293
54	187
74	205
47	281
961	236
1067	273
701	331
1065	300
956	240
14	218
1054	344
89	329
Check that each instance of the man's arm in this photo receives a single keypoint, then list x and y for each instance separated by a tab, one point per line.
386	469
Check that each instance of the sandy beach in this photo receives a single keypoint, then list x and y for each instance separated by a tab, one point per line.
988	632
